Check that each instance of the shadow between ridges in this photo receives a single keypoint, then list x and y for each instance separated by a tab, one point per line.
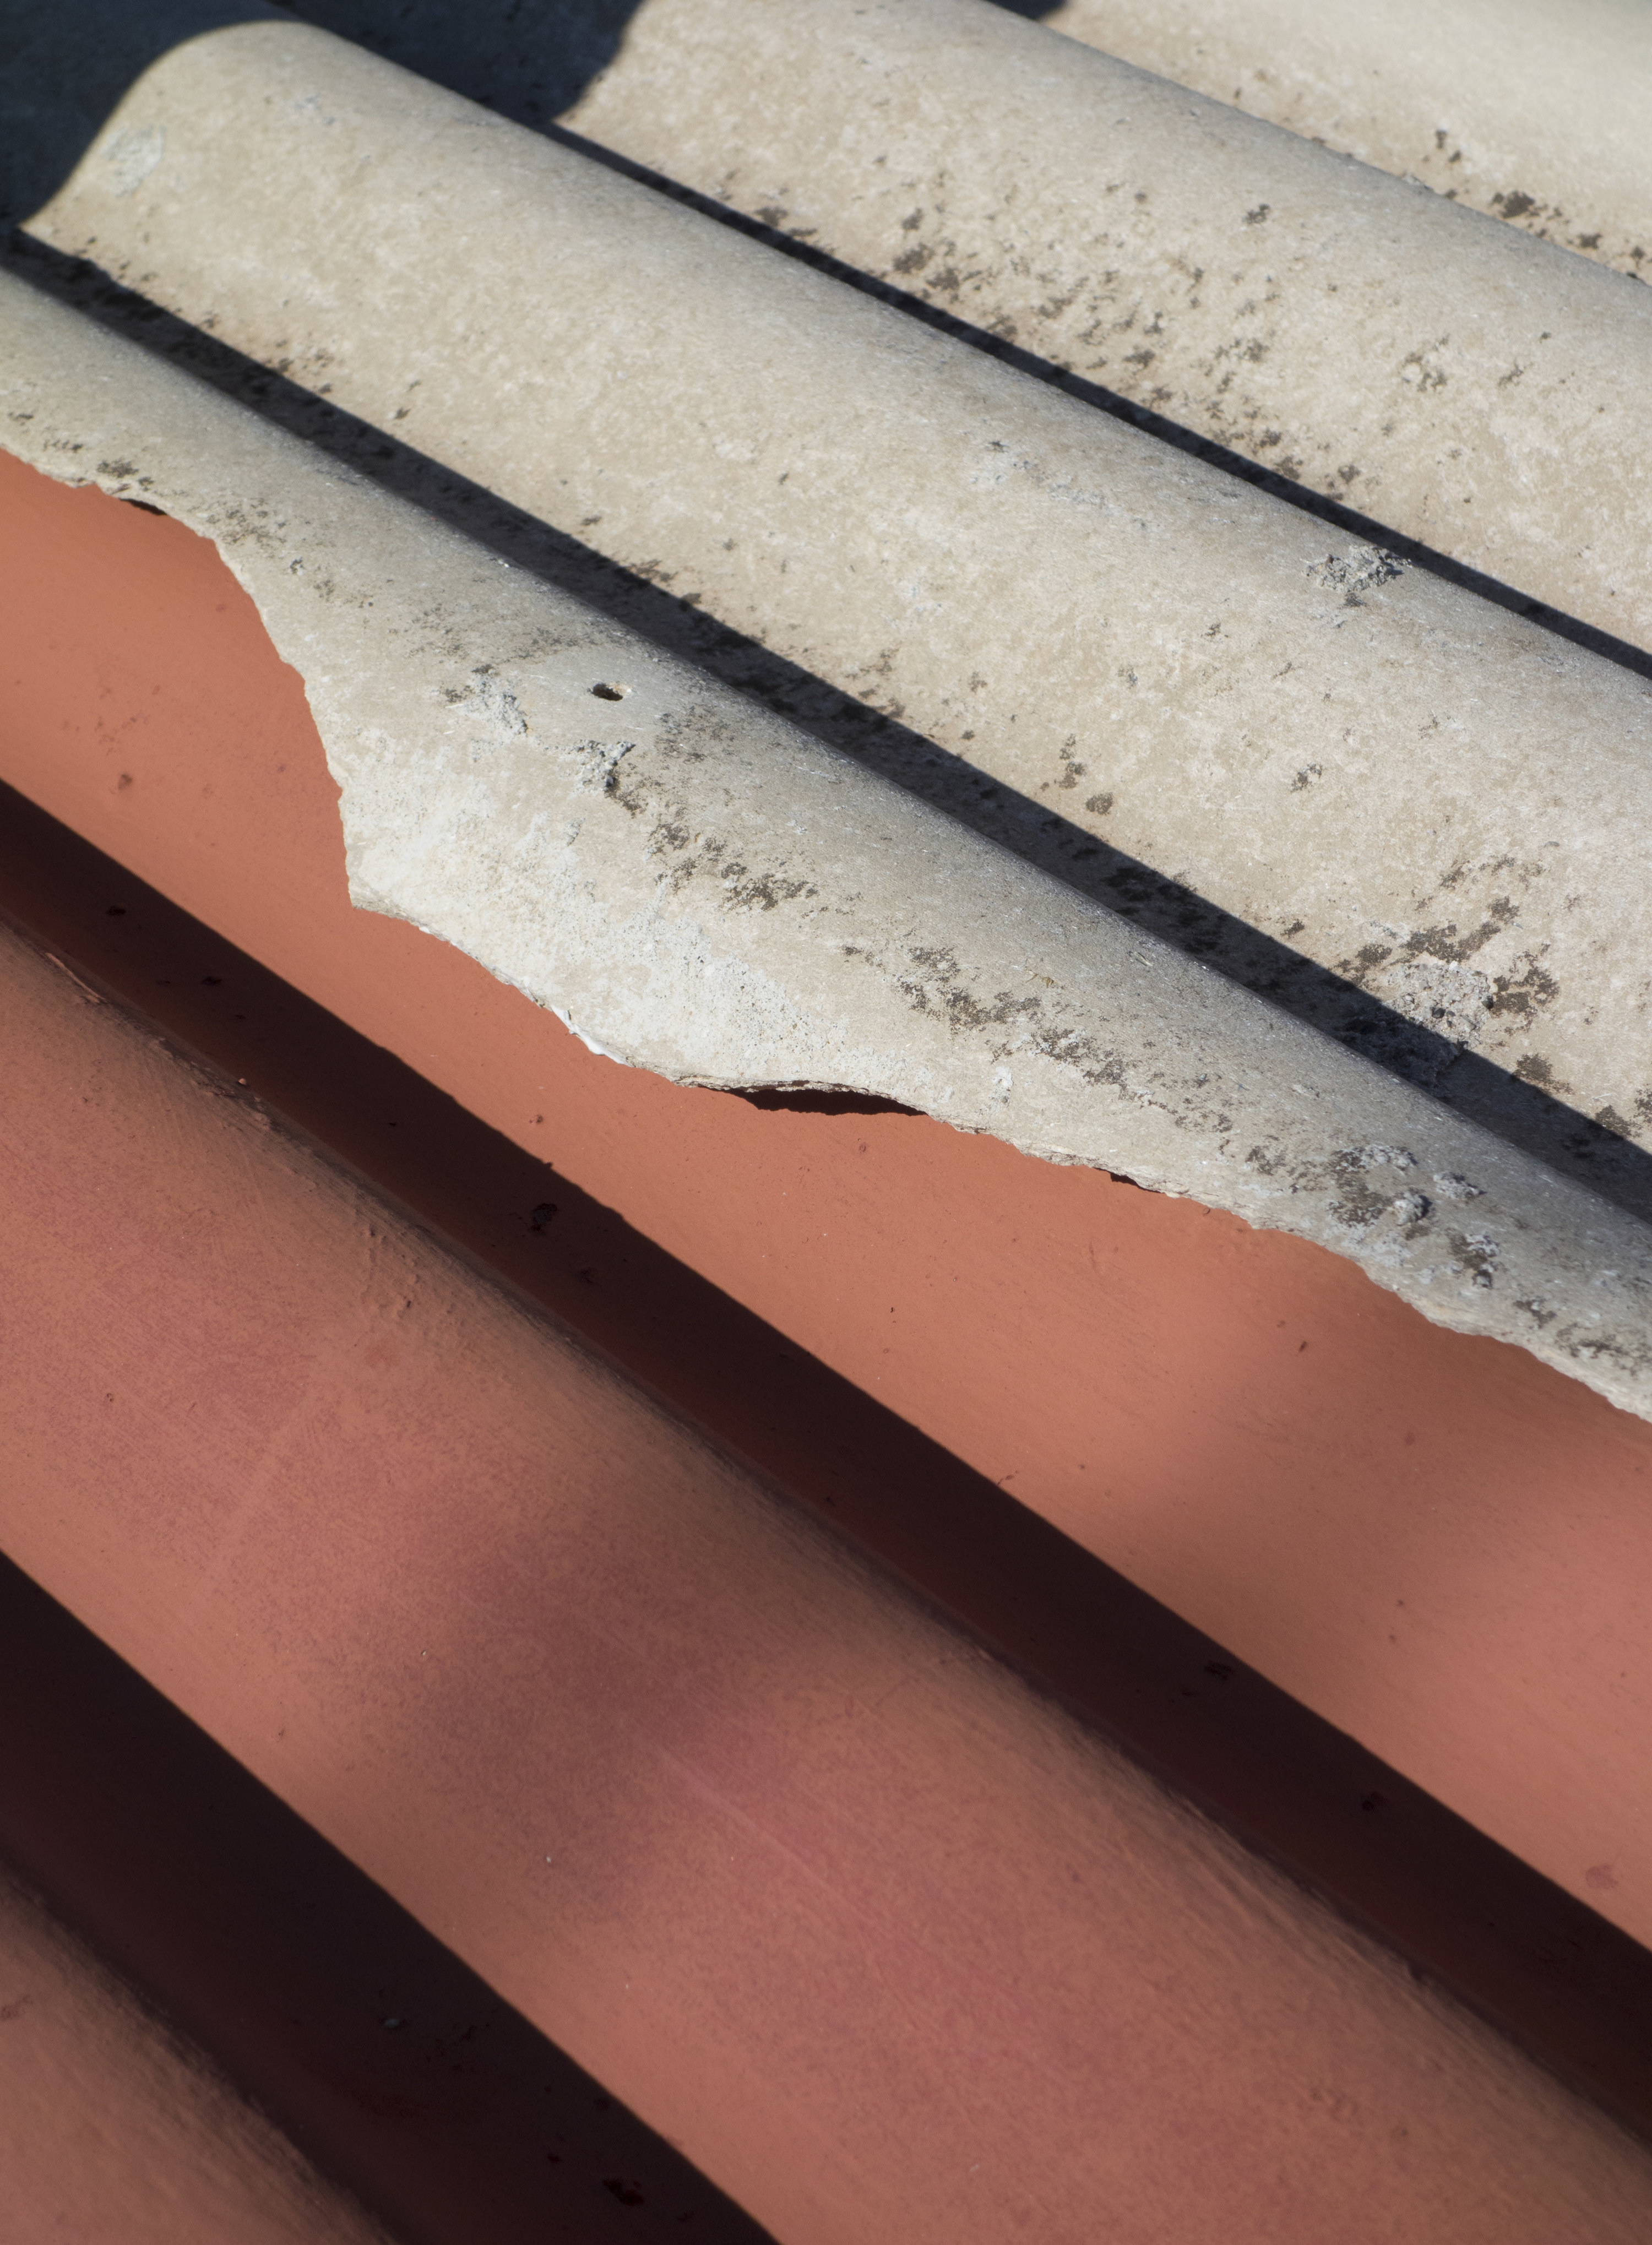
459	44
1522	1114
1572	1989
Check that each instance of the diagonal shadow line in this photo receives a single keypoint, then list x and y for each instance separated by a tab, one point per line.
1522	1114
65	69
1573	1990
459	47
1346	520
248	1929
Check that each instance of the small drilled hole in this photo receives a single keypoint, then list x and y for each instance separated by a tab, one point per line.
610	692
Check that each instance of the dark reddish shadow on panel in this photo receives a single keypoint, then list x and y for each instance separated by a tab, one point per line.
387	2060
1571	1987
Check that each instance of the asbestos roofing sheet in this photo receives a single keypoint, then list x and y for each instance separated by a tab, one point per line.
703	889
1531	112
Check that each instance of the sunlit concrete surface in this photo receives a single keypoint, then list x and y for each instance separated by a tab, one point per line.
1380	815
1535	114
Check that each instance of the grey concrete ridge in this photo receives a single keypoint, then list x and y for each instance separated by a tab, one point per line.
1531	112
1460	383
702	889
1534	113
1416	821
1465	385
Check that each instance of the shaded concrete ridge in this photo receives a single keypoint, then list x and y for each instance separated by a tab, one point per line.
63	70
703	890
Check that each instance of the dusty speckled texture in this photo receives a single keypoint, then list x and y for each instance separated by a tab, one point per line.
1452	379
1406	813
703	890
1530	110
887	1942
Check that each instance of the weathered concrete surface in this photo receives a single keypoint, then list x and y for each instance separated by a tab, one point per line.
1533	113
112	2127
889	1942
703	890
1407	814
1462	385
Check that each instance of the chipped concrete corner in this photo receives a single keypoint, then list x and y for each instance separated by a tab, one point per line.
702	889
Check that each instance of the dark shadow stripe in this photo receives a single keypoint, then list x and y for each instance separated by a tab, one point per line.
66	67
1572	1989
1347	521
1522	1114
246	1930
518	58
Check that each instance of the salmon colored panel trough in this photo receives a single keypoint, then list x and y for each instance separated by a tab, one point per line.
1440	1546
388	2064
884	1940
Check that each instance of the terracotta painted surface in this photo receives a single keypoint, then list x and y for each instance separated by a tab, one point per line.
886	1941
1574	1989
456	2123
111	2128
1431	1541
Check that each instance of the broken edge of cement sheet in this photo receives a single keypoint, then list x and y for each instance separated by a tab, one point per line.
698	888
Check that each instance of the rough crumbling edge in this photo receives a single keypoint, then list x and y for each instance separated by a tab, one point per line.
696	887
